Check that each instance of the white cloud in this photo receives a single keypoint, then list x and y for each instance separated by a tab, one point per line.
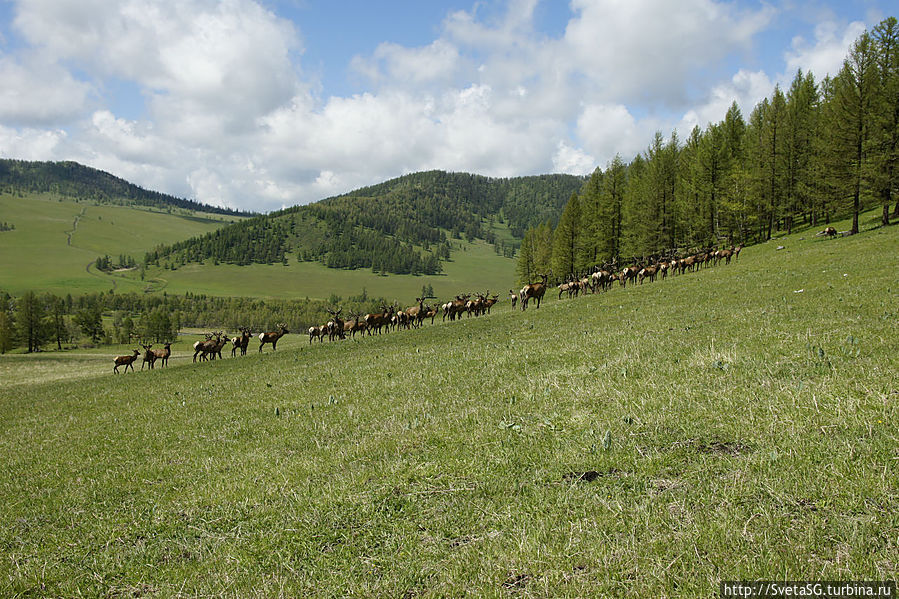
825	56
230	59
638	50
38	92
572	161
29	143
745	88
230	120
610	129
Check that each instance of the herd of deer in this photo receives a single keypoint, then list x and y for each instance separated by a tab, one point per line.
472	304
602	278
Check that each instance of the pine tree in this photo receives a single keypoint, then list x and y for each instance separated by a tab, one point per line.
566	238
30	314
884	171
849	122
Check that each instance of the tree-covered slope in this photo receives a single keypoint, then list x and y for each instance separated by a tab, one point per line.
399	226
73	180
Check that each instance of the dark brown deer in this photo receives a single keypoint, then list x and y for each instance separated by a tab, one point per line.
316	333
149	357
455	308
335	325
241	342
212	346
272	337
125	361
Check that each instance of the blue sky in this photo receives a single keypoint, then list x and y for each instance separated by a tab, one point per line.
260	104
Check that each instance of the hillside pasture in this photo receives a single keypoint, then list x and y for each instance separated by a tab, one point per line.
734	423
56	241
473	266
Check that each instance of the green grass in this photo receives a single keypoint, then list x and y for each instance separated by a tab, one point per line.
736	423
46	252
474	267
37	256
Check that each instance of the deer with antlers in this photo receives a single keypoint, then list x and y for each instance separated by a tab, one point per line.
149	356
376	322
273	337
335	325
212	346
533	291
241	342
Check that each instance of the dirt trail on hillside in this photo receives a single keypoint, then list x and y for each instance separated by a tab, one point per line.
74	227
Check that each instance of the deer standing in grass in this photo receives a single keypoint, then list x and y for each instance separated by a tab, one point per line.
149	357
241	342
125	361
272	337
533	291
162	355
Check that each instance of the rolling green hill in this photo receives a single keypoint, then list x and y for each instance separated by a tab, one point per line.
56	240
78	182
737	423
402	226
454	231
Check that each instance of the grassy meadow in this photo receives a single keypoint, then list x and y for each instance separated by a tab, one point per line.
48	252
56	241
735	423
473	267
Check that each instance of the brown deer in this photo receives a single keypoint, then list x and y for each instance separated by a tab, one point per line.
335	325
455	308
489	302
212	346
514	297
415	314
125	361
376	322
272	337
533	291
162	355
241	342
355	325
149	357
200	346
316	333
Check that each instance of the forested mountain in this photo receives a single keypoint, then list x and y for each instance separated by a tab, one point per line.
400	226
73	180
819	151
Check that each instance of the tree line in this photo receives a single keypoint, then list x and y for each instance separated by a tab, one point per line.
77	181
815	152
34	321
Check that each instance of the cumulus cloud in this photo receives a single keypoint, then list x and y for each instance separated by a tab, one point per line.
230	118
745	88
632	50
38	92
826	54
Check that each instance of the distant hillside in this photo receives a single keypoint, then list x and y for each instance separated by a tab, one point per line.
73	180
401	226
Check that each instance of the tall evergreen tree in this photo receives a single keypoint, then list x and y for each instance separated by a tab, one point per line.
566	238
850	120
884	171
7	324
30	314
